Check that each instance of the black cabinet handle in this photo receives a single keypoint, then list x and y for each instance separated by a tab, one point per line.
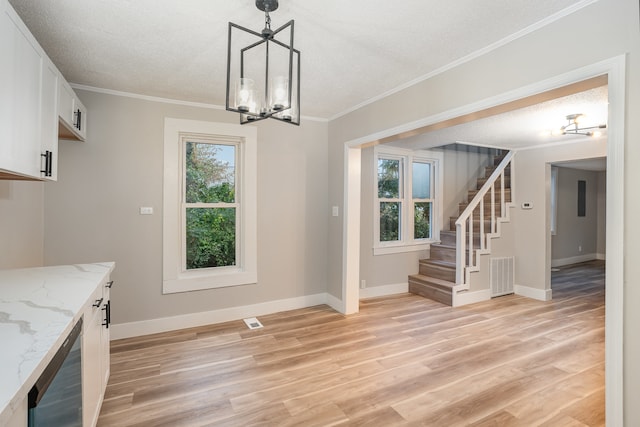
107	315
78	123
109	284
98	302
48	163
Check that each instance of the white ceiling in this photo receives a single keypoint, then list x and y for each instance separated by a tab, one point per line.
524	127
352	51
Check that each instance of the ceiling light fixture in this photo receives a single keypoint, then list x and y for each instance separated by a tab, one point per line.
573	126
265	80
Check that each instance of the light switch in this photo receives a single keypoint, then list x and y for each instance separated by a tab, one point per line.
334	211
146	210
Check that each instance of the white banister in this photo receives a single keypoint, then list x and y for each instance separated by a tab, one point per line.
464	224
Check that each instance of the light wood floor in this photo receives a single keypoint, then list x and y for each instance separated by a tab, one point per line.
403	360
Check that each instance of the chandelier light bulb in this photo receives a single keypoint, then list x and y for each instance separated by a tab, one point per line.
245	95
279	93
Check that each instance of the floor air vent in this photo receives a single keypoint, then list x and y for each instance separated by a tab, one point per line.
502	276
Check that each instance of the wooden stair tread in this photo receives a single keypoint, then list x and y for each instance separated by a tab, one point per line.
444	284
439	263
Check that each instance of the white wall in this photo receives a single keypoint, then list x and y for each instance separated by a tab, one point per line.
92	212
21	224
605	29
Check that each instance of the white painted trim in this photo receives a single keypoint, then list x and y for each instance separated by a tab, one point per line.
601	257
165	324
168	100
466	297
351	230
398	249
174	279
614	274
335	303
383	290
559	262
614	322
478	53
539	294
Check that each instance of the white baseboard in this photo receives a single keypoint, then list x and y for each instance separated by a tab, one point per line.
535	293
465	298
164	324
574	259
601	257
380	291
335	303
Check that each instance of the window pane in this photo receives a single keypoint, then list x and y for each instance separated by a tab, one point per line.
389	221
422	220
421	180
388	178
210	173
211	237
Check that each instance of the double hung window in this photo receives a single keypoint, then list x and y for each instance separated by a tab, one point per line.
209	218
405	213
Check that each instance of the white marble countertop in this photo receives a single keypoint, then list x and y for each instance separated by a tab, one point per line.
38	308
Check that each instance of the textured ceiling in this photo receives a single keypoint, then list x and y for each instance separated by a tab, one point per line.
352	50
524	127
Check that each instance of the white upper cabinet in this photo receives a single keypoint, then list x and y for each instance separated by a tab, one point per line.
37	105
49	122
21	88
73	115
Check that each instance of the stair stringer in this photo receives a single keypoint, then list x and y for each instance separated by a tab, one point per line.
476	287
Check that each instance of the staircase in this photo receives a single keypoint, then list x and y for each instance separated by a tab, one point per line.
436	278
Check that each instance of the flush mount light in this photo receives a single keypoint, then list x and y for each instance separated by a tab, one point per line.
263	71
573	126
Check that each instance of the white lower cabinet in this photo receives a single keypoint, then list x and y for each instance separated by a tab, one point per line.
95	354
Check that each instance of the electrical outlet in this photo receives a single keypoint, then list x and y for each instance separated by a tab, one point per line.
146	210
363	284
580	248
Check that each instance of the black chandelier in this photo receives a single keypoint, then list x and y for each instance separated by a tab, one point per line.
264	81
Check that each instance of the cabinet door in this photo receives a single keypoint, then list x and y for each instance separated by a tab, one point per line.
106	336
73	115
49	122
91	360
20	85
65	104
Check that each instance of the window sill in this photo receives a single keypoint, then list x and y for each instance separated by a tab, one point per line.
387	250
197	281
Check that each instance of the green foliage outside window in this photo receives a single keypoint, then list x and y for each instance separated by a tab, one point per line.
422	220
210	231
389	221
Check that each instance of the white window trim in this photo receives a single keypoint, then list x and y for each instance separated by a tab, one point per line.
406	244
175	279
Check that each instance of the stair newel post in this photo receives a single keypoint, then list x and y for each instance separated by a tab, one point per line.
503	207
470	250
493	208
481	246
460	252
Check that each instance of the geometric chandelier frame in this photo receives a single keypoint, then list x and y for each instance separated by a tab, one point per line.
265	80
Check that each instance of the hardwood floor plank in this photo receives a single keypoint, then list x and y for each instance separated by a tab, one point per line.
401	361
